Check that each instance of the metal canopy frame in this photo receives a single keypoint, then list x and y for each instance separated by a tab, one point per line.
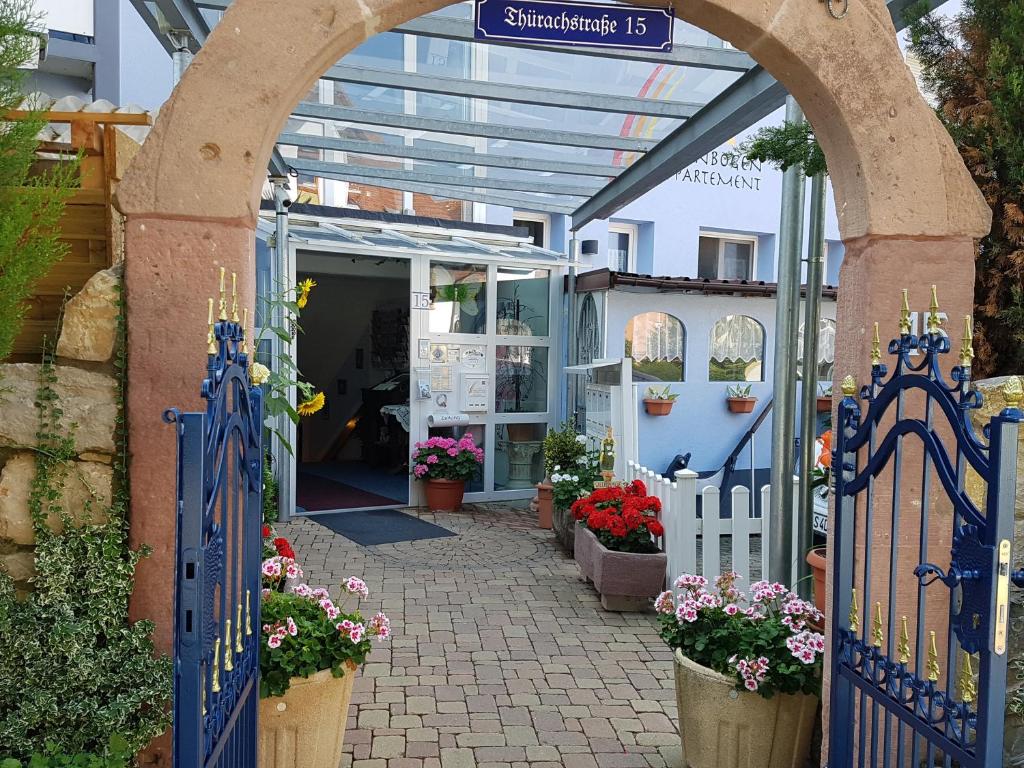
703	127
754	96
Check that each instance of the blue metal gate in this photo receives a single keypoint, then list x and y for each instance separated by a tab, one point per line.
918	675
217	589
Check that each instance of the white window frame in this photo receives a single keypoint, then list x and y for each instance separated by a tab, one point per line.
723	238
633	231
543	218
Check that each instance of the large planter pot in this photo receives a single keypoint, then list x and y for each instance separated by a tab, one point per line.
444	495
564	526
545	505
816	558
627	581
305	728
719	725
655	407
741	404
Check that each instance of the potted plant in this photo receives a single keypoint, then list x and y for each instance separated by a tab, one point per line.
739	399
743	665
310	652
444	464
566	488
562	448
659	402
821	482
824	398
615	548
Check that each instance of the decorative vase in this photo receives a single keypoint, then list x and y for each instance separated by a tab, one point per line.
655	407
627	581
305	728
720	725
444	495
818	560
741	404
545	505
824	403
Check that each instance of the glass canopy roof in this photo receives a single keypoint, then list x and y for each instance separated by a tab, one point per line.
425	108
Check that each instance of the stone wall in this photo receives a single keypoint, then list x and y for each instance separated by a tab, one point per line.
87	391
991	390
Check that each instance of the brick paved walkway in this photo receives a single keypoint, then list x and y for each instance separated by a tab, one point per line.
501	657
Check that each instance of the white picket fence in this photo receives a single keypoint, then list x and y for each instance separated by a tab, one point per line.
710	544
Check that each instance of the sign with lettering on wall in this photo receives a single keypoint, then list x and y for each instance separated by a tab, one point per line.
568	23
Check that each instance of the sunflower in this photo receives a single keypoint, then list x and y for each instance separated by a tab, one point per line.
304	288
311	405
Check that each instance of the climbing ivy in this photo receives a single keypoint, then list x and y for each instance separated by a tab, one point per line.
75	669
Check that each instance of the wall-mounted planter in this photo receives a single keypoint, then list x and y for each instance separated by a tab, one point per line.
741	404
824	403
656	407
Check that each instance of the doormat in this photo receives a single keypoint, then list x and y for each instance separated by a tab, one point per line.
315	493
380	526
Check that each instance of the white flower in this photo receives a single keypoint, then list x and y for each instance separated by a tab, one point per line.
557	467
258	373
575	478
581	439
556	478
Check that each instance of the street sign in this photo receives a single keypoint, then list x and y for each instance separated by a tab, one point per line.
568	23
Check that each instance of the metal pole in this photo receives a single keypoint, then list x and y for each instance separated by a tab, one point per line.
570	406
809	404
787	309
182	56
278	279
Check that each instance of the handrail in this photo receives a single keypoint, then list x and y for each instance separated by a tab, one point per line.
730	463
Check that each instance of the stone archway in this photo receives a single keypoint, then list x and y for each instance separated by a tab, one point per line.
906	203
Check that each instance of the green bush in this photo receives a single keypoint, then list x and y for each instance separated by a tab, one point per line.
563	448
117	755
74	668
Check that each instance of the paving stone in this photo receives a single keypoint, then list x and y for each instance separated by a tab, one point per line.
500	658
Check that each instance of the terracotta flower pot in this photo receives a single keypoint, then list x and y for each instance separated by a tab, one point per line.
719	725
741	404
305	728
816	558
824	403
444	495
545	504
655	407
627	581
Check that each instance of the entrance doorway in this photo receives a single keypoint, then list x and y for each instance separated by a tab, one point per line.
354	347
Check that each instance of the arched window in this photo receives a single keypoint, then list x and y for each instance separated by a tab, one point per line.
657	344
588	332
737	350
826	350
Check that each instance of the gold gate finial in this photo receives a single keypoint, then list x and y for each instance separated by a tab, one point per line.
238	630
1013	392
248	615
934	321
849	386
877	638
246	347
215	685
905	314
876	348
211	346
933	659
967	686
854	617
223	302
967	344
234	297
229	665
903	647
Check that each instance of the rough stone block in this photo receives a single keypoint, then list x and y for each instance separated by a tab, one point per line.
20	566
88	400
89	330
84	482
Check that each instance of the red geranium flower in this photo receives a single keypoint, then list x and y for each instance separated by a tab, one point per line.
655	528
637	488
266	531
